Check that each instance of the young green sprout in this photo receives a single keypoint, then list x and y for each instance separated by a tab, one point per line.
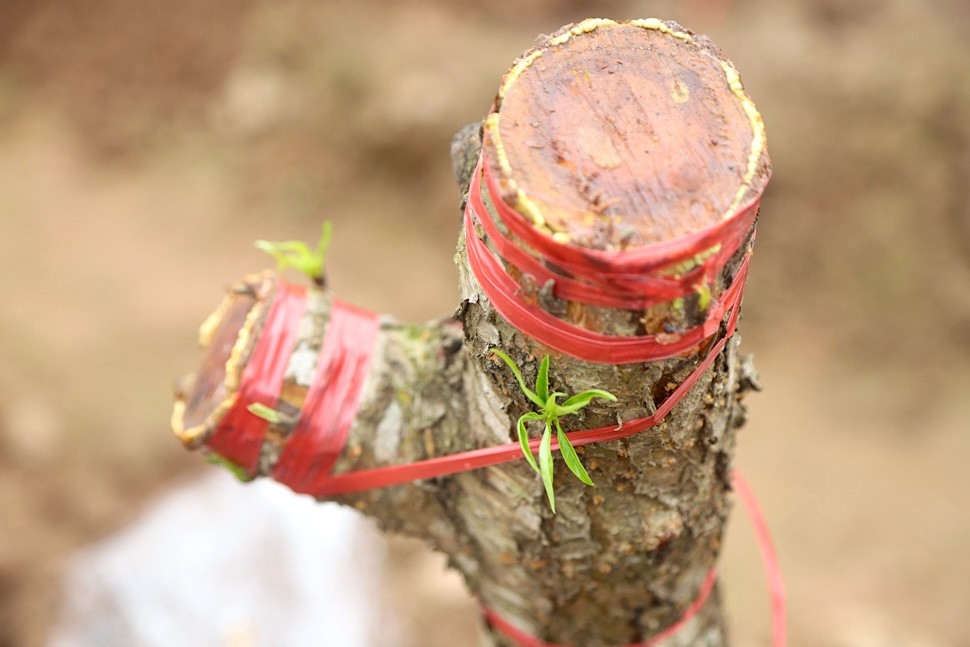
549	413
297	254
259	410
237	470
703	291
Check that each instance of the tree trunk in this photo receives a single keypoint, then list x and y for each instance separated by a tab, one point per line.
608	137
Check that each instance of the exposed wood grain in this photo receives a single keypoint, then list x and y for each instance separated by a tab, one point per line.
624	135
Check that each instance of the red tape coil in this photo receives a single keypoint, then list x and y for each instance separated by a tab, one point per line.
239	436
624	264
596	282
505	293
331	404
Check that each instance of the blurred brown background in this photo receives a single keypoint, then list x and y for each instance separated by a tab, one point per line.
145	145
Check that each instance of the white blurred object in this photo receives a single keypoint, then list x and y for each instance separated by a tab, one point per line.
219	564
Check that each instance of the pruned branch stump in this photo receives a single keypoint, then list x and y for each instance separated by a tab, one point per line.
609	137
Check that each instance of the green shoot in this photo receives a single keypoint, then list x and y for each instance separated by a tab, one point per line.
260	410
237	470
549	413
297	254
685	266
703	296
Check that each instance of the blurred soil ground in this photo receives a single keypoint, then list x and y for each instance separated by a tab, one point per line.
144	146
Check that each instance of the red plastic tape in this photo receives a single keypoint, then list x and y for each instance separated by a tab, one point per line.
331	404
505	294
240	434
578	342
596	282
631	263
776	587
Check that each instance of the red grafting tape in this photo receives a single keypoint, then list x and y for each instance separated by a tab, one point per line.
239	435
633	262
504	294
525	639
564	287
596	283
331	404
604	281
772	573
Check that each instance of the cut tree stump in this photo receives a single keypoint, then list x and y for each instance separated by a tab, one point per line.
613	138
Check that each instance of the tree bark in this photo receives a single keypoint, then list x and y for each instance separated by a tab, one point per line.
621	561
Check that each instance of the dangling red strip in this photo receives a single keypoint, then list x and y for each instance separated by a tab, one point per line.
239	435
776	586
331	404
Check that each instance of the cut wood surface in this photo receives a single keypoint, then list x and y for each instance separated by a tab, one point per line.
611	153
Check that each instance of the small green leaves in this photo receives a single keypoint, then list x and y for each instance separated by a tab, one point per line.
529	393
260	410
703	291
297	254
686	265
524	437
549	412
577	402
545	465
569	455
237	470
542	380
